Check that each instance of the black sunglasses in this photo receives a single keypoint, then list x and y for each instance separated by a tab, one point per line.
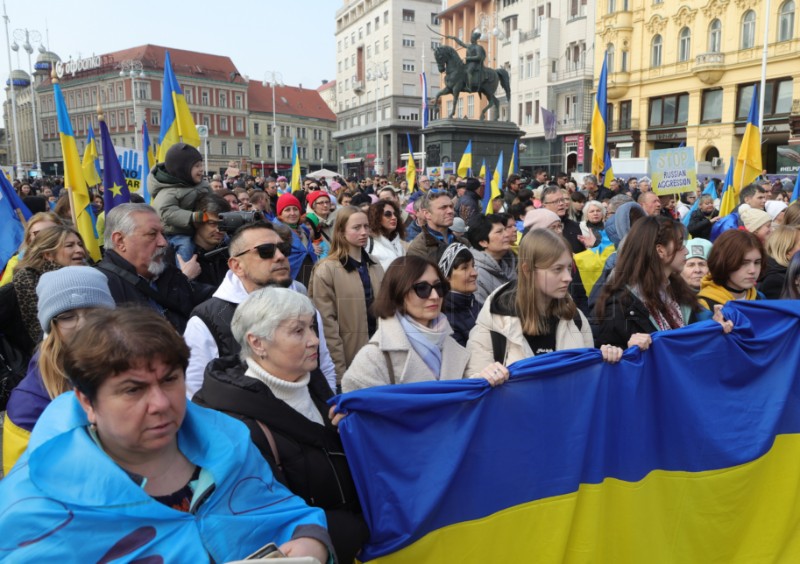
423	289
388	213
267	250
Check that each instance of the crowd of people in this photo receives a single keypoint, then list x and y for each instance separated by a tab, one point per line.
260	303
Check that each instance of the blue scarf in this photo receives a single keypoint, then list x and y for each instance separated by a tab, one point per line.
427	342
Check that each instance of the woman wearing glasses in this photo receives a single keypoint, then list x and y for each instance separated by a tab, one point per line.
65	296
387	241
413	342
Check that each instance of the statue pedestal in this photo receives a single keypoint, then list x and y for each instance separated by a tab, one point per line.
446	140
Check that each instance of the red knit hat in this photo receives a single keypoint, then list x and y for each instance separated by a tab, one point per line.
315	195
285	201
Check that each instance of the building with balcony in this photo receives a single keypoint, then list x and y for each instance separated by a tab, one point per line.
299	113
382	47
684	72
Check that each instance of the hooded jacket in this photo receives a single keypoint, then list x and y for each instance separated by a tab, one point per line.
66	497
711	294
174	200
491	273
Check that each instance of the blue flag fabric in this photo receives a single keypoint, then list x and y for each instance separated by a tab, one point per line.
11	228
115	187
148	154
659	454
796	191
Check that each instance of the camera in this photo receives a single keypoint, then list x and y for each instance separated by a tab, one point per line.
231	221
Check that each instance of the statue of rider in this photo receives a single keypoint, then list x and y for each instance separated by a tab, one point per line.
474	58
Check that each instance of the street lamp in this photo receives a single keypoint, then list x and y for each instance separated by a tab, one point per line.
133	68
13	99
274	79
31	35
376	73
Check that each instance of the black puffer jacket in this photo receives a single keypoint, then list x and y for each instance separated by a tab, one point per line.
312	461
772	283
461	311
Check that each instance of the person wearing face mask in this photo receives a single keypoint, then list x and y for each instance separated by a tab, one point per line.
460	306
65	297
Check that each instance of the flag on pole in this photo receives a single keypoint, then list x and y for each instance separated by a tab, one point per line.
494	190
796	191
295	185
513	164
727	187
748	162
411	166
73	178
115	187
482	173
149	159
424	82
465	166
177	124
91	163
601	158
13	214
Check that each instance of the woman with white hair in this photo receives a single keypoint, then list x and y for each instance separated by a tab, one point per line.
278	391
594	216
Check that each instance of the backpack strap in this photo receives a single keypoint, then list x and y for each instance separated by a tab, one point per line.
499	342
272	446
389	367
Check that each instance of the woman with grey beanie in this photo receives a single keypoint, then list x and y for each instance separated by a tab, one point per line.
66	297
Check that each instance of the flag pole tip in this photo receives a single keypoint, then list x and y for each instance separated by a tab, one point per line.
53	77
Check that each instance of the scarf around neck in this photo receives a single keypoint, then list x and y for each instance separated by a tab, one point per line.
427	342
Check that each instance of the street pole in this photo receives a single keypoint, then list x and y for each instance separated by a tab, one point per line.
132	67
20	176
274	79
376	74
29	35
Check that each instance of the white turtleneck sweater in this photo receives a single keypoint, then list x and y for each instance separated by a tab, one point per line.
294	394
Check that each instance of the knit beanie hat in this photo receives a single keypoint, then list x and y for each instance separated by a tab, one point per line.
753	218
71	287
360	199
473	184
774	208
540	219
179	161
698	248
285	201
314	196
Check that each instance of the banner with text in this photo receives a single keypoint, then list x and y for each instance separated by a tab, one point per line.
673	171
132	161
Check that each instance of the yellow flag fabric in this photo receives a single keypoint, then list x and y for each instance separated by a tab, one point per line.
748	162
590	265
465	165
411	167
295	184
90	160
177	124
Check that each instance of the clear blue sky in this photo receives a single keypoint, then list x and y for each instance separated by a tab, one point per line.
294	37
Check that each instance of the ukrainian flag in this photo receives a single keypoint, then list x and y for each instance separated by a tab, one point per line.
149	161
177	124
73	178
91	164
411	166
513	165
482	173
494	189
465	166
601	158
748	162
295	184
656	459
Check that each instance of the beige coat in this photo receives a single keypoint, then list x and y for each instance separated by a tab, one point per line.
369	367
339	296
479	345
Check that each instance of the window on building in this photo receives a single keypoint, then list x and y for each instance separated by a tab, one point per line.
669	110
386	17
715	36
339	46
204	96
577	8
536	111
610	52
224	148
655	51
610	116
786	21
537	63
256	128
223	123
386	42
470	106
712	105
369	28
408	15
240	149
529	66
239	102
408	65
748	39
377	23
361	33
528	113
777	98
257	148
435	45
612	6
239	124
434	19
625	115
207	121
408	41
623	64
684	45
269	151
509	25
377	47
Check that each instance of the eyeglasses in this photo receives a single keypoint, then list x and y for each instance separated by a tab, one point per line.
267	250
423	289
69	319
388	213
556	202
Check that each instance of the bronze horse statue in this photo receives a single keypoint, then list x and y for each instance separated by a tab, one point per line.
455	80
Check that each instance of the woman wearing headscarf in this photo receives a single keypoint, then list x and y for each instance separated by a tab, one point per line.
460	306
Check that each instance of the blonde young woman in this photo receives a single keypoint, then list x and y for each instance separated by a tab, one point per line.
782	244
344	285
36	223
535	314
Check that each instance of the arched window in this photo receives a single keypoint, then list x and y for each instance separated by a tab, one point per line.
610	52
655	51
684	45
786	21
715	37
748	30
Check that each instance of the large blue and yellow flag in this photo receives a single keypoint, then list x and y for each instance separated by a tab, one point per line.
482	172
748	161
796	191
91	162
411	166
74	181
13	215
601	158
295	183
495	188
115	187
149	160
513	164
177	124
465	165
655	459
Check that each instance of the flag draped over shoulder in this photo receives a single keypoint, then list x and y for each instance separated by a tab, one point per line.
12	229
149	160
91	164
115	187
295	184
748	162
177	124
495	188
601	158
465	165
411	166
656	458
73	178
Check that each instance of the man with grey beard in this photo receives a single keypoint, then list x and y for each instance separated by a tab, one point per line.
137	269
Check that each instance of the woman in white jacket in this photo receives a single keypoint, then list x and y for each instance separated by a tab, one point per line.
387	240
535	314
